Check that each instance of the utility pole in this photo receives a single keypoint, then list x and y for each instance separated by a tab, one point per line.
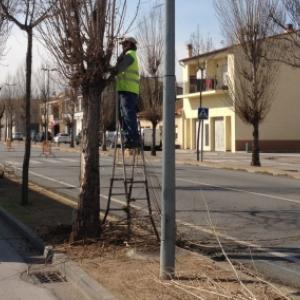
168	228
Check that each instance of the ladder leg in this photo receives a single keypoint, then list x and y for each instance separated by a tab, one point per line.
112	176
129	179
125	182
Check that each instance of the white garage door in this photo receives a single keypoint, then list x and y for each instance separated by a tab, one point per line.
219	134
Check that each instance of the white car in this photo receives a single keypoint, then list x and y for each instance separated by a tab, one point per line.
62	138
17	136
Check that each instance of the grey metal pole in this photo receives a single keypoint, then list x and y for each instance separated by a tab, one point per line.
47	102
168	229
201	121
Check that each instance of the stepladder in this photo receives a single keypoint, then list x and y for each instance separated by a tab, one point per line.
47	149
129	183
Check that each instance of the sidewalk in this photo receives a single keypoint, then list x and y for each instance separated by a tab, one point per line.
276	164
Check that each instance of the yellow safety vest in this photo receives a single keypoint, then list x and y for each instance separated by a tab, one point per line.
129	80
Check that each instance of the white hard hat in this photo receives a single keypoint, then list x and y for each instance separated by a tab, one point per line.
129	40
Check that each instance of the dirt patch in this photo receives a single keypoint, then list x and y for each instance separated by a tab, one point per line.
130	269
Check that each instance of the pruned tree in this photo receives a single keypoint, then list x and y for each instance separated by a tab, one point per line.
42	96
10	106
4	31
2	110
200	44
150	42
18	91
248	26
81	36
26	15
69	106
289	40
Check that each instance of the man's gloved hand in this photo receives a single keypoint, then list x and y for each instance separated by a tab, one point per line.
113	71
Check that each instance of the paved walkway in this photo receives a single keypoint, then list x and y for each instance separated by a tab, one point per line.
276	164
12	287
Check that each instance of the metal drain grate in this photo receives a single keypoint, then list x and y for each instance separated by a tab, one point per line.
49	277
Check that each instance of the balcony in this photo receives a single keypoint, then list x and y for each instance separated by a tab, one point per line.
204	85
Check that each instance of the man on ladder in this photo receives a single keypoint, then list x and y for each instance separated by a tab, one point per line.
134	172
128	87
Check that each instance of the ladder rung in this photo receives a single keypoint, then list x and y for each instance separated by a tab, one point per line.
136	166
138	181
118	194
117	179
138	199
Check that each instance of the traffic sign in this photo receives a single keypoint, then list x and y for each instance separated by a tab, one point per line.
202	113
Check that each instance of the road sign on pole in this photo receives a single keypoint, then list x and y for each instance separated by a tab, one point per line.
202	113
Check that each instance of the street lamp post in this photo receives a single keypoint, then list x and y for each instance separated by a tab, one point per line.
200	122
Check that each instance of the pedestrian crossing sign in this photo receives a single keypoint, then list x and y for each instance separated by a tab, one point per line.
202	113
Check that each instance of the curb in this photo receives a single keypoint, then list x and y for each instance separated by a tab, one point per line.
31	236
89	286
260	170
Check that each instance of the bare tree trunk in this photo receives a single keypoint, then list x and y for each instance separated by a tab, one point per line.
104	148
87	223
5	132
10	126
153	148
72	130
255	146
24	200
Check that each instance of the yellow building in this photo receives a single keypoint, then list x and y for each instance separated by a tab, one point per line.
224	130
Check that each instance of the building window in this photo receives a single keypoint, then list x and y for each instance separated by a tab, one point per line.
206	130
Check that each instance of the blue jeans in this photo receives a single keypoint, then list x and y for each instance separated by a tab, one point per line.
128	109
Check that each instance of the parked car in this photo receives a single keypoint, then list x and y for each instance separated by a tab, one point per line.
78	138
147	138
17	136
62	138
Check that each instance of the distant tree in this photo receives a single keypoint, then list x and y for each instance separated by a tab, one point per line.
150	51
8	99
42	96
289	40
2	110
200	44
18	81
4	30
26	15
81	36
249	27
69	104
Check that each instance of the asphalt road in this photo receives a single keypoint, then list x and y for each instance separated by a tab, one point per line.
255	217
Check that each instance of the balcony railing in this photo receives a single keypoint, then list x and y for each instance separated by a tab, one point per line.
208	84
197	85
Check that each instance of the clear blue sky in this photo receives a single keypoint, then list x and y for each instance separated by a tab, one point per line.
189	14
